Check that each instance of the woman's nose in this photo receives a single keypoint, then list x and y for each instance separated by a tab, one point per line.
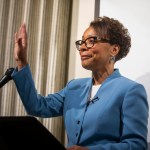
83	47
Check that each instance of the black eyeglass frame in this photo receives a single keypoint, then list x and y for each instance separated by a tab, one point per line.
95	39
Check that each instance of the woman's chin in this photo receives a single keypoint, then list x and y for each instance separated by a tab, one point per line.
86	66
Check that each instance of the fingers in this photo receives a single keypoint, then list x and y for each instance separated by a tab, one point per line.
16	38
21	36
24	35
20	47
76	147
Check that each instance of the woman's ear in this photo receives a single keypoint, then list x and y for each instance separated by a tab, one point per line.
115	49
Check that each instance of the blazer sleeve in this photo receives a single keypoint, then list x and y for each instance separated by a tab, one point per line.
34	103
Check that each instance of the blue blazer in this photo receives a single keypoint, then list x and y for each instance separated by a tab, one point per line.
115	119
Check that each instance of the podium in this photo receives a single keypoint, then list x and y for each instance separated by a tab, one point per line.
26	133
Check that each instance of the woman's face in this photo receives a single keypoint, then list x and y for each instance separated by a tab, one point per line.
96	57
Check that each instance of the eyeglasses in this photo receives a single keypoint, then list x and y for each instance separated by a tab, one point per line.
90	41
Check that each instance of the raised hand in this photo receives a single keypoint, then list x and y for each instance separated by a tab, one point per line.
20	49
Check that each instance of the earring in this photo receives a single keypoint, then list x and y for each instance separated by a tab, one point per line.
112	59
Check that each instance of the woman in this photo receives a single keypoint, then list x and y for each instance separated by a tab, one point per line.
105	112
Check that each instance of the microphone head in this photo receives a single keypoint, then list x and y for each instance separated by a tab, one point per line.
9	72
6	77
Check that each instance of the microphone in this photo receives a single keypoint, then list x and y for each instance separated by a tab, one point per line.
92	101
7	77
